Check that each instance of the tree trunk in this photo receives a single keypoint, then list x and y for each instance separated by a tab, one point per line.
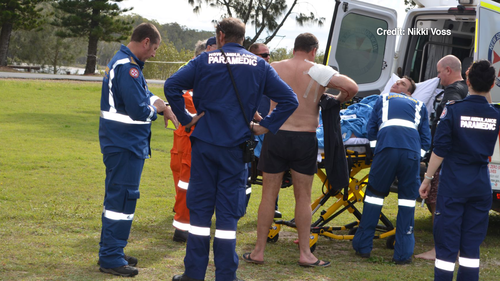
91	55
4	42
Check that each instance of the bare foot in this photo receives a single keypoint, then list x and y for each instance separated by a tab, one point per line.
429	255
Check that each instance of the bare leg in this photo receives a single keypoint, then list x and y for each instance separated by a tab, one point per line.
302	185
271	184
429	255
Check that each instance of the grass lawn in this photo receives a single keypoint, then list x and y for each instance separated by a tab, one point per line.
52	188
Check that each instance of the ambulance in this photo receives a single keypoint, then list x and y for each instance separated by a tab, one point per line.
363	36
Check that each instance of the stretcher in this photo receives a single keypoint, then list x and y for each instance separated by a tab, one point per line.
331	203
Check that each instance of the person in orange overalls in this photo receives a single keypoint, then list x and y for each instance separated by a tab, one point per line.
180	161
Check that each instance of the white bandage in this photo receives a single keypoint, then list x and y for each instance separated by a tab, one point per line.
322	73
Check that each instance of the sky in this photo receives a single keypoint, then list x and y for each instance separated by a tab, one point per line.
179	11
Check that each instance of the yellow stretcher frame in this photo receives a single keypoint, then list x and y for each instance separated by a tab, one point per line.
357	162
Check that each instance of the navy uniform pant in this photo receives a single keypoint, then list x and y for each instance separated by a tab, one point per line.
123	175
387	164
460	224
217	183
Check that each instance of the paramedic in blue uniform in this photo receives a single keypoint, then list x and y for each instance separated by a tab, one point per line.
218	172
464	140
127	109
400	126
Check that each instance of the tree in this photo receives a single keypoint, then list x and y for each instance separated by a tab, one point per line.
92	19
410	4
16	14
262	14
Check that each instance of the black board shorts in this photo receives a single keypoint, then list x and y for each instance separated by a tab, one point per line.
289	150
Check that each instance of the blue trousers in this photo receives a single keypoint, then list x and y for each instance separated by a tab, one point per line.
460	224
123	175
217	183
388	164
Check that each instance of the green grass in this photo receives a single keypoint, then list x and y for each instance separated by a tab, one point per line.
52	187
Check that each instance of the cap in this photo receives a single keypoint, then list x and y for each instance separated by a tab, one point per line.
211	41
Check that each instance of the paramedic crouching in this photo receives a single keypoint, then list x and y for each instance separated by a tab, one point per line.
399	124
218	171
464	140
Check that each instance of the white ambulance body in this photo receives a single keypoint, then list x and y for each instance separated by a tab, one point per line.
362	45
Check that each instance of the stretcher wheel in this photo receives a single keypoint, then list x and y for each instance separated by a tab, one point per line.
352	231
313	247
273	239
391	240
274	233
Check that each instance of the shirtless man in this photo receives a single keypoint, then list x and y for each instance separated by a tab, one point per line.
308	80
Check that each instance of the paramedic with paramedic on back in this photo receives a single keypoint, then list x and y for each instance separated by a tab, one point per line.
127	109
218	171
295	146
465	138
400	126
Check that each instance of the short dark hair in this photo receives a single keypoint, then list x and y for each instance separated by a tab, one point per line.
413	86
146	30
305	42
254	47
481	76
233	28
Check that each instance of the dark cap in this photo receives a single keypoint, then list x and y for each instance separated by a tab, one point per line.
211	41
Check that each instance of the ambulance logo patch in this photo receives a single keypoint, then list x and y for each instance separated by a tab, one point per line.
443	114
134	72
494	55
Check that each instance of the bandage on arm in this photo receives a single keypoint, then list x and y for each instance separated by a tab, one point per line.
322	74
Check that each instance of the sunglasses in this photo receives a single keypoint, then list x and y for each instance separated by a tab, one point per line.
265	55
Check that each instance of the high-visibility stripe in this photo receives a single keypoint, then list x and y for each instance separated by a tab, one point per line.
122	118
398	122
385	108
406	203
249	190
181	226
111	101
418	107
225	234
183	185
190	114
200	231
444	265
472	263
118	216
151	113
374	200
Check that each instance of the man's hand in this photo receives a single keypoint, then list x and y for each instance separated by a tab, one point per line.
424	188
258	129
194	121
257	116
160	105
168	114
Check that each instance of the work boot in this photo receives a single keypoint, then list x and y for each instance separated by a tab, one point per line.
124	271
131	261
182	277
408	261
180	236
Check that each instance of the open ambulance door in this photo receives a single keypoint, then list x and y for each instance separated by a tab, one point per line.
361	44
487	41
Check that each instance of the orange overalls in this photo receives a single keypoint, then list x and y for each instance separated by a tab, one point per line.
180	163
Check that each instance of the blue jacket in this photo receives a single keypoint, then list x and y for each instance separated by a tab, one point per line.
399	121
466	137
223	123
126	106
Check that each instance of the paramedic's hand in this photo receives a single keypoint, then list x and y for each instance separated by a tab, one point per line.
257	117
424	188
194	121
258	129
168	114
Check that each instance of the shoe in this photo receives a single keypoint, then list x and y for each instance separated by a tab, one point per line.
182	277
408	261
180	236
123	271
131	261
246	257
316	264
277	214
363	255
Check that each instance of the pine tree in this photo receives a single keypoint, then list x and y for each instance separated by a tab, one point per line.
93	19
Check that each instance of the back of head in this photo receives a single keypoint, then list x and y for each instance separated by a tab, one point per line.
233	28
199	47
481	76
255	47
146	30
452	62
305	42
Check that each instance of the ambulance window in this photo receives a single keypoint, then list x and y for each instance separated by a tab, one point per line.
360	49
